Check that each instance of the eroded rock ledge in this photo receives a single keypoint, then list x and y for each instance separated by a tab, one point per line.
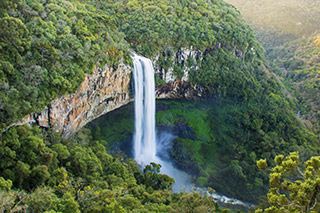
101	92
179	89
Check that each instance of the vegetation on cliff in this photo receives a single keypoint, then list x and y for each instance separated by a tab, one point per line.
47	47
289	31
218	141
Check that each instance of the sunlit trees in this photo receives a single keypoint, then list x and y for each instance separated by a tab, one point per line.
45	51
293	187
48	46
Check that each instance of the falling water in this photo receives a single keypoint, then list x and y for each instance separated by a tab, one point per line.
145	143
145	136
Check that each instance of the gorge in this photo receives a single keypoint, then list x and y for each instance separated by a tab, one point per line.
88	126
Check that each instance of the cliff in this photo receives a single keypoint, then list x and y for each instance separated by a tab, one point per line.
103	91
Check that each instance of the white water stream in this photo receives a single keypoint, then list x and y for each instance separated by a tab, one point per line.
145	105
146	145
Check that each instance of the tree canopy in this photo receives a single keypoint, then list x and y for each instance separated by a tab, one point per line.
41	172
292	188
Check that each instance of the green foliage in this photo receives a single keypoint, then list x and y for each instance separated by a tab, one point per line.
291	188
5	184
227	137
220	140
44	173
298	63
152	178
252	130
43	198
176	24
47	47
193	202
262	164
69	204
289	31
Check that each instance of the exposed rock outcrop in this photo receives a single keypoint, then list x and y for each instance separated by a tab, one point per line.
180	60
179	89
101	92
174	86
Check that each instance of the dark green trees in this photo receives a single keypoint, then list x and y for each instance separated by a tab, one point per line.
41	172
47	47
152	178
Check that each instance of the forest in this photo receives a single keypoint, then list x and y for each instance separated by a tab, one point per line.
254	136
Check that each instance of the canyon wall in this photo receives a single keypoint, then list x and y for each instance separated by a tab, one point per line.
103	91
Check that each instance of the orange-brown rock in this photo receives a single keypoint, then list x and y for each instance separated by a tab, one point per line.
101	92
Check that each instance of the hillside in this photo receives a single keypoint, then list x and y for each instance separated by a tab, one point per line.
277	22
299	63
46	48
289	32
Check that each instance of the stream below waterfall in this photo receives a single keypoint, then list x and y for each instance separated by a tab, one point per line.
183	181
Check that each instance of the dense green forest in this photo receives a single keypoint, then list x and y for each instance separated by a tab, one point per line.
47	47
289	31
298	64
43	173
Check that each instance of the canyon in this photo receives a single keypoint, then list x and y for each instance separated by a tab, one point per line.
103	91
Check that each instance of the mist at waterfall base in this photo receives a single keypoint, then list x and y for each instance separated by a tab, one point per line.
148	147
183	181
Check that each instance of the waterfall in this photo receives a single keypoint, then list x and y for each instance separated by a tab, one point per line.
145	142
144	103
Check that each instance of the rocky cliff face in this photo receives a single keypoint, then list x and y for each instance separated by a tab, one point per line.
101	92
179	87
